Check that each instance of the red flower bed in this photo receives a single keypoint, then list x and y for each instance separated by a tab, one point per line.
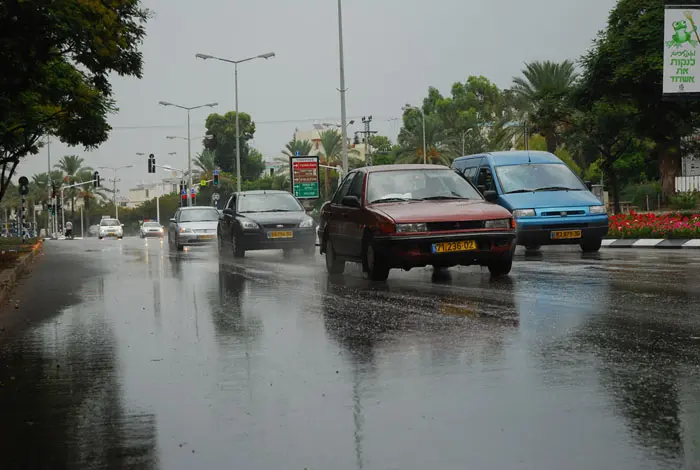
649	225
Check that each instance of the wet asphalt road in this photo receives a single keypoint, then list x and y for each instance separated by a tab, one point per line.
119	354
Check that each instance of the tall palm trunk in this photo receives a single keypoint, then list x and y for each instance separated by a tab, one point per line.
551	139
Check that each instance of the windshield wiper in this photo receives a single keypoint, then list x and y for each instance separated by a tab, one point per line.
521	191
556	188
393	199
438	198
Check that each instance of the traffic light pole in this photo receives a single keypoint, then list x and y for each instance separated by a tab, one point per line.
63	188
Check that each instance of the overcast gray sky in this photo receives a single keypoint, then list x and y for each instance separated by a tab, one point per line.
394	50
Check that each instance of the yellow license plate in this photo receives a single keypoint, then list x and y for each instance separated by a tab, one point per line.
565	234
451	247
206	237
280	235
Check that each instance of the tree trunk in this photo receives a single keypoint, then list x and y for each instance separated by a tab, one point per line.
607	164
551	140
669	165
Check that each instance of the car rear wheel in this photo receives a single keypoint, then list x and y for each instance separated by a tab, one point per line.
333	264
236	247
374	265
591	246
532	247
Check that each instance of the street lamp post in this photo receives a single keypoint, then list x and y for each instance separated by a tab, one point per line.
343	114
114	184
235	63
189	140
425	147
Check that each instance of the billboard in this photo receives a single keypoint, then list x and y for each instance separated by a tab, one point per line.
306	182
681	44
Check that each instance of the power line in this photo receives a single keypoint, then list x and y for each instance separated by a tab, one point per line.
281	121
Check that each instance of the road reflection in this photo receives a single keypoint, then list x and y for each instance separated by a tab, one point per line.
62	401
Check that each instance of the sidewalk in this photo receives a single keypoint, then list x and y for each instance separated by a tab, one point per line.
652	243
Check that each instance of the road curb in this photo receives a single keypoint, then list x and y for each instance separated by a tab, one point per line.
659	243
8	279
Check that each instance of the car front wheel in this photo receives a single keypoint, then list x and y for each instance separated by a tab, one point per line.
502	266
374	265
237	247
591	246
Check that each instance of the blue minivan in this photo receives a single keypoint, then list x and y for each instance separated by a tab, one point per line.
551	205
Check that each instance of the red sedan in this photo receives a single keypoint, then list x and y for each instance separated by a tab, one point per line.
407	216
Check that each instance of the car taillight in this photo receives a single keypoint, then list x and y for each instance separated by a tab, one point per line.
387	228
512	223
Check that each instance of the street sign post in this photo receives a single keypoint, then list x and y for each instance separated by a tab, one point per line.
305	177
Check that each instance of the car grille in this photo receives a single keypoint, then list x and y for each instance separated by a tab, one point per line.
563	213
279	225
447	226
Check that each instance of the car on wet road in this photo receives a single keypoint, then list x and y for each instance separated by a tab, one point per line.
265	220
151	228
551	205
407	216
110	227
192	226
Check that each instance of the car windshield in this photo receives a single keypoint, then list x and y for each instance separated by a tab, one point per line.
407	185
199	215
268	202
110	222
151	224
530	177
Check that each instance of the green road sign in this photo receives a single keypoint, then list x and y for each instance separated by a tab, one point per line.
306	183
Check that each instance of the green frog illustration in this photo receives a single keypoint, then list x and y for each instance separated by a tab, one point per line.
682	35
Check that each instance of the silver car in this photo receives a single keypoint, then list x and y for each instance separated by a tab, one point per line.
192	226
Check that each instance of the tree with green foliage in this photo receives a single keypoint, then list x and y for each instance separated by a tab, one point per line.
626	62
222	141
437	139
544	90
380	143
61	56
71	166
205	163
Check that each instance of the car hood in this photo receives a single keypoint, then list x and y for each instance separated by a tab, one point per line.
207	225
275	217
110	227
441	211
545	199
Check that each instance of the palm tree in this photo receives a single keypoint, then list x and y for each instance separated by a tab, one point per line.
293	146
438	141
206	163
543	90
331	155
71	165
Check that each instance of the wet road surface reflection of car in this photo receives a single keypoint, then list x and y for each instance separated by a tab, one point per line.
265	220
406	216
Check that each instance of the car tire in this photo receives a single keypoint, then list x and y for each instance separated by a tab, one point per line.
100	238
374	265
532	247
236	247
334	266
591	246
502	265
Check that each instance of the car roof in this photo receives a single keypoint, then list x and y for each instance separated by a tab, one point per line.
401	166
264	191
515	157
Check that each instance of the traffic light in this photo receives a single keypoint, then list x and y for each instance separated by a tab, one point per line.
151	163
216	177
23	186
96	179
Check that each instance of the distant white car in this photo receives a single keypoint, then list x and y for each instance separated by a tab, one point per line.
111	228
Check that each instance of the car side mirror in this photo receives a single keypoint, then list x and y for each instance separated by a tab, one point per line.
481	188
589	185
228	211
351	201
491	196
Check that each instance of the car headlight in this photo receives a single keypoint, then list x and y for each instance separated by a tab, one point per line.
405	228
249	225
499	224
185	230
523	213
597	210
308	222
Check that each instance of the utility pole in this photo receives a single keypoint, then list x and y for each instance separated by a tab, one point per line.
342	90
367	121
48	186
